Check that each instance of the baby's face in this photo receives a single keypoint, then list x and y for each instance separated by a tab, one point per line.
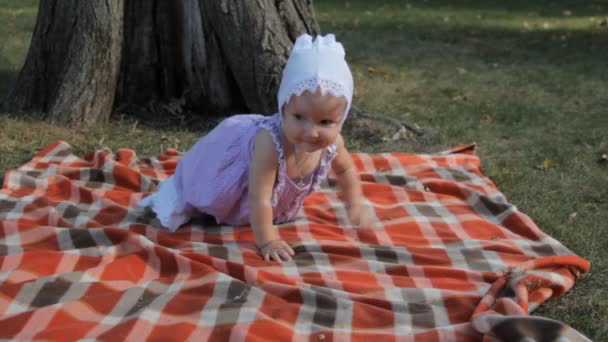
312	121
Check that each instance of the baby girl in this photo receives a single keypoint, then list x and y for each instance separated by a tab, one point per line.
257	170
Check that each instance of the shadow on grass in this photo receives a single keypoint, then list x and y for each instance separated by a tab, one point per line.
153	117
185	122
405	44
7	78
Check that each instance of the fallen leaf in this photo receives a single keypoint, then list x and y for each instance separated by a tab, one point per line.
547	164
168	141
603	23
603	158
567	13
459	98
572	216
446	19
402	133
486	119
396	136
371	69
461	71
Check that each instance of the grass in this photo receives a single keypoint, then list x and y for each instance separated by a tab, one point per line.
524	80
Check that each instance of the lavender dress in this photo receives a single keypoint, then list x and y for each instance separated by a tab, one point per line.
212	177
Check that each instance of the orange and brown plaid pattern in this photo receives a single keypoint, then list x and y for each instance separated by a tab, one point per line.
448	259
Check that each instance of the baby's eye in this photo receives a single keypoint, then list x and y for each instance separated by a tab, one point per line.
326	122
298	117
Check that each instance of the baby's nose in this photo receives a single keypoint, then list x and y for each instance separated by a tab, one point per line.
312	131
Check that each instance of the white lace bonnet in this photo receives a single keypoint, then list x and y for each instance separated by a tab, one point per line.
316	64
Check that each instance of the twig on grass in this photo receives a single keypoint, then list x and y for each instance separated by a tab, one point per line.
400	125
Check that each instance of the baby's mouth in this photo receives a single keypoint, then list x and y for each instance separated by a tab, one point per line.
307	146
309	143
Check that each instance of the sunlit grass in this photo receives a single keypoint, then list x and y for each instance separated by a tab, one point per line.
440	12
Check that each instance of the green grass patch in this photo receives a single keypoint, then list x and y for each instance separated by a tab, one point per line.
18	18
525	80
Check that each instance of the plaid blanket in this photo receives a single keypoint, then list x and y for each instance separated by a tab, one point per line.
448	259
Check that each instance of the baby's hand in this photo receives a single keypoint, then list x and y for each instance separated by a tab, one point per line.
359	217
276	250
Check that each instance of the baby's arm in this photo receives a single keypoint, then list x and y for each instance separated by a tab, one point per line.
350	184
262	175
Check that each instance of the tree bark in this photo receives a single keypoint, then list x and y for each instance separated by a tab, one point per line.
208	57
166	56
72	66
256	41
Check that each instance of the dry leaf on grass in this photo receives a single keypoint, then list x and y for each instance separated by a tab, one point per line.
485	119
168	141
402	133
547	164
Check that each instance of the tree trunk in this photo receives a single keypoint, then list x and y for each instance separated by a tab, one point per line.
165	57
256	37
72	66
208	57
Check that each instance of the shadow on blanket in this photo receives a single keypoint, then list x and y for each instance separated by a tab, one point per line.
448	259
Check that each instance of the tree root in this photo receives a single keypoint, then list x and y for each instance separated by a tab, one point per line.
402	127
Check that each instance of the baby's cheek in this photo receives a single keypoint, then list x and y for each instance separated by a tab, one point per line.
332	135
